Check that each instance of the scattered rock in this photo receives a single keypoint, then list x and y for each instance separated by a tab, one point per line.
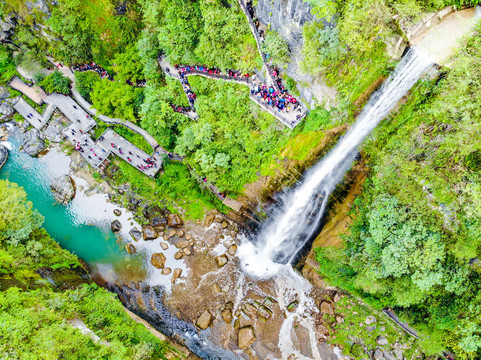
179	255
117	212
339	319
171	234
246	337
187	251
158	260
135	233
293	306
370	328
209	219
3	155
224	224
177	273
159	221
216	288
130	248
378	355
204	320
175	221
337	297
3	133
370	320
327	308
180	233
227	315
148	232
63	189
182	244
221	260
264	313
249	309
32	143
164	245
166	271
232	249
381	340
115	226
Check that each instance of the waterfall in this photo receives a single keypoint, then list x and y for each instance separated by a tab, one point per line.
296	218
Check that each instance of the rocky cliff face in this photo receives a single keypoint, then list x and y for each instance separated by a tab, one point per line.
287	17
3	155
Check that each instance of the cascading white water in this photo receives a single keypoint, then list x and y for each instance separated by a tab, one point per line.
300	209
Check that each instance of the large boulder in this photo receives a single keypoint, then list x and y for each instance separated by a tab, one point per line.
32	143
63	189
53	132
115	226
3	133
327	308
221	260
6	111
149	232
130	248
204	320
246	337
158	260
175	221
3	155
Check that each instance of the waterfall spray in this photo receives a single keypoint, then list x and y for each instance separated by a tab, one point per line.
296	219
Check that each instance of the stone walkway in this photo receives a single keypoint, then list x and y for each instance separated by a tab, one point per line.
31	115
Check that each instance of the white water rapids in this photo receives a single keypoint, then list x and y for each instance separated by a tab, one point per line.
296	219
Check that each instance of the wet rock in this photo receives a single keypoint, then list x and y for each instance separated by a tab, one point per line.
209	219
179	255
146	213
180	233
171	234
246	337
216	289
148	232
370	320
3	133
166	271
232	249
182	244
158	260
249	309
224	224
204	320
3	155
381	340
32	143
135	233
187	251
159	221
164	245
270	301
117	212
327	308
115	226
174	221
221	260
264	313
227	315
130	248
63	189
53	132
293	306
177	273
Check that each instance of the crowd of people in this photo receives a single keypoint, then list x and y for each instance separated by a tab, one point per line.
184	69
182	109
280	100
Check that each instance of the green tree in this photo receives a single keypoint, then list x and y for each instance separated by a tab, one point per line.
56	83
276	47
85	83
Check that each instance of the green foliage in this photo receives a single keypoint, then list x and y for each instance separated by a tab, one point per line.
85	83
7	66
116	99
276	47
42	324
128	65
56	83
